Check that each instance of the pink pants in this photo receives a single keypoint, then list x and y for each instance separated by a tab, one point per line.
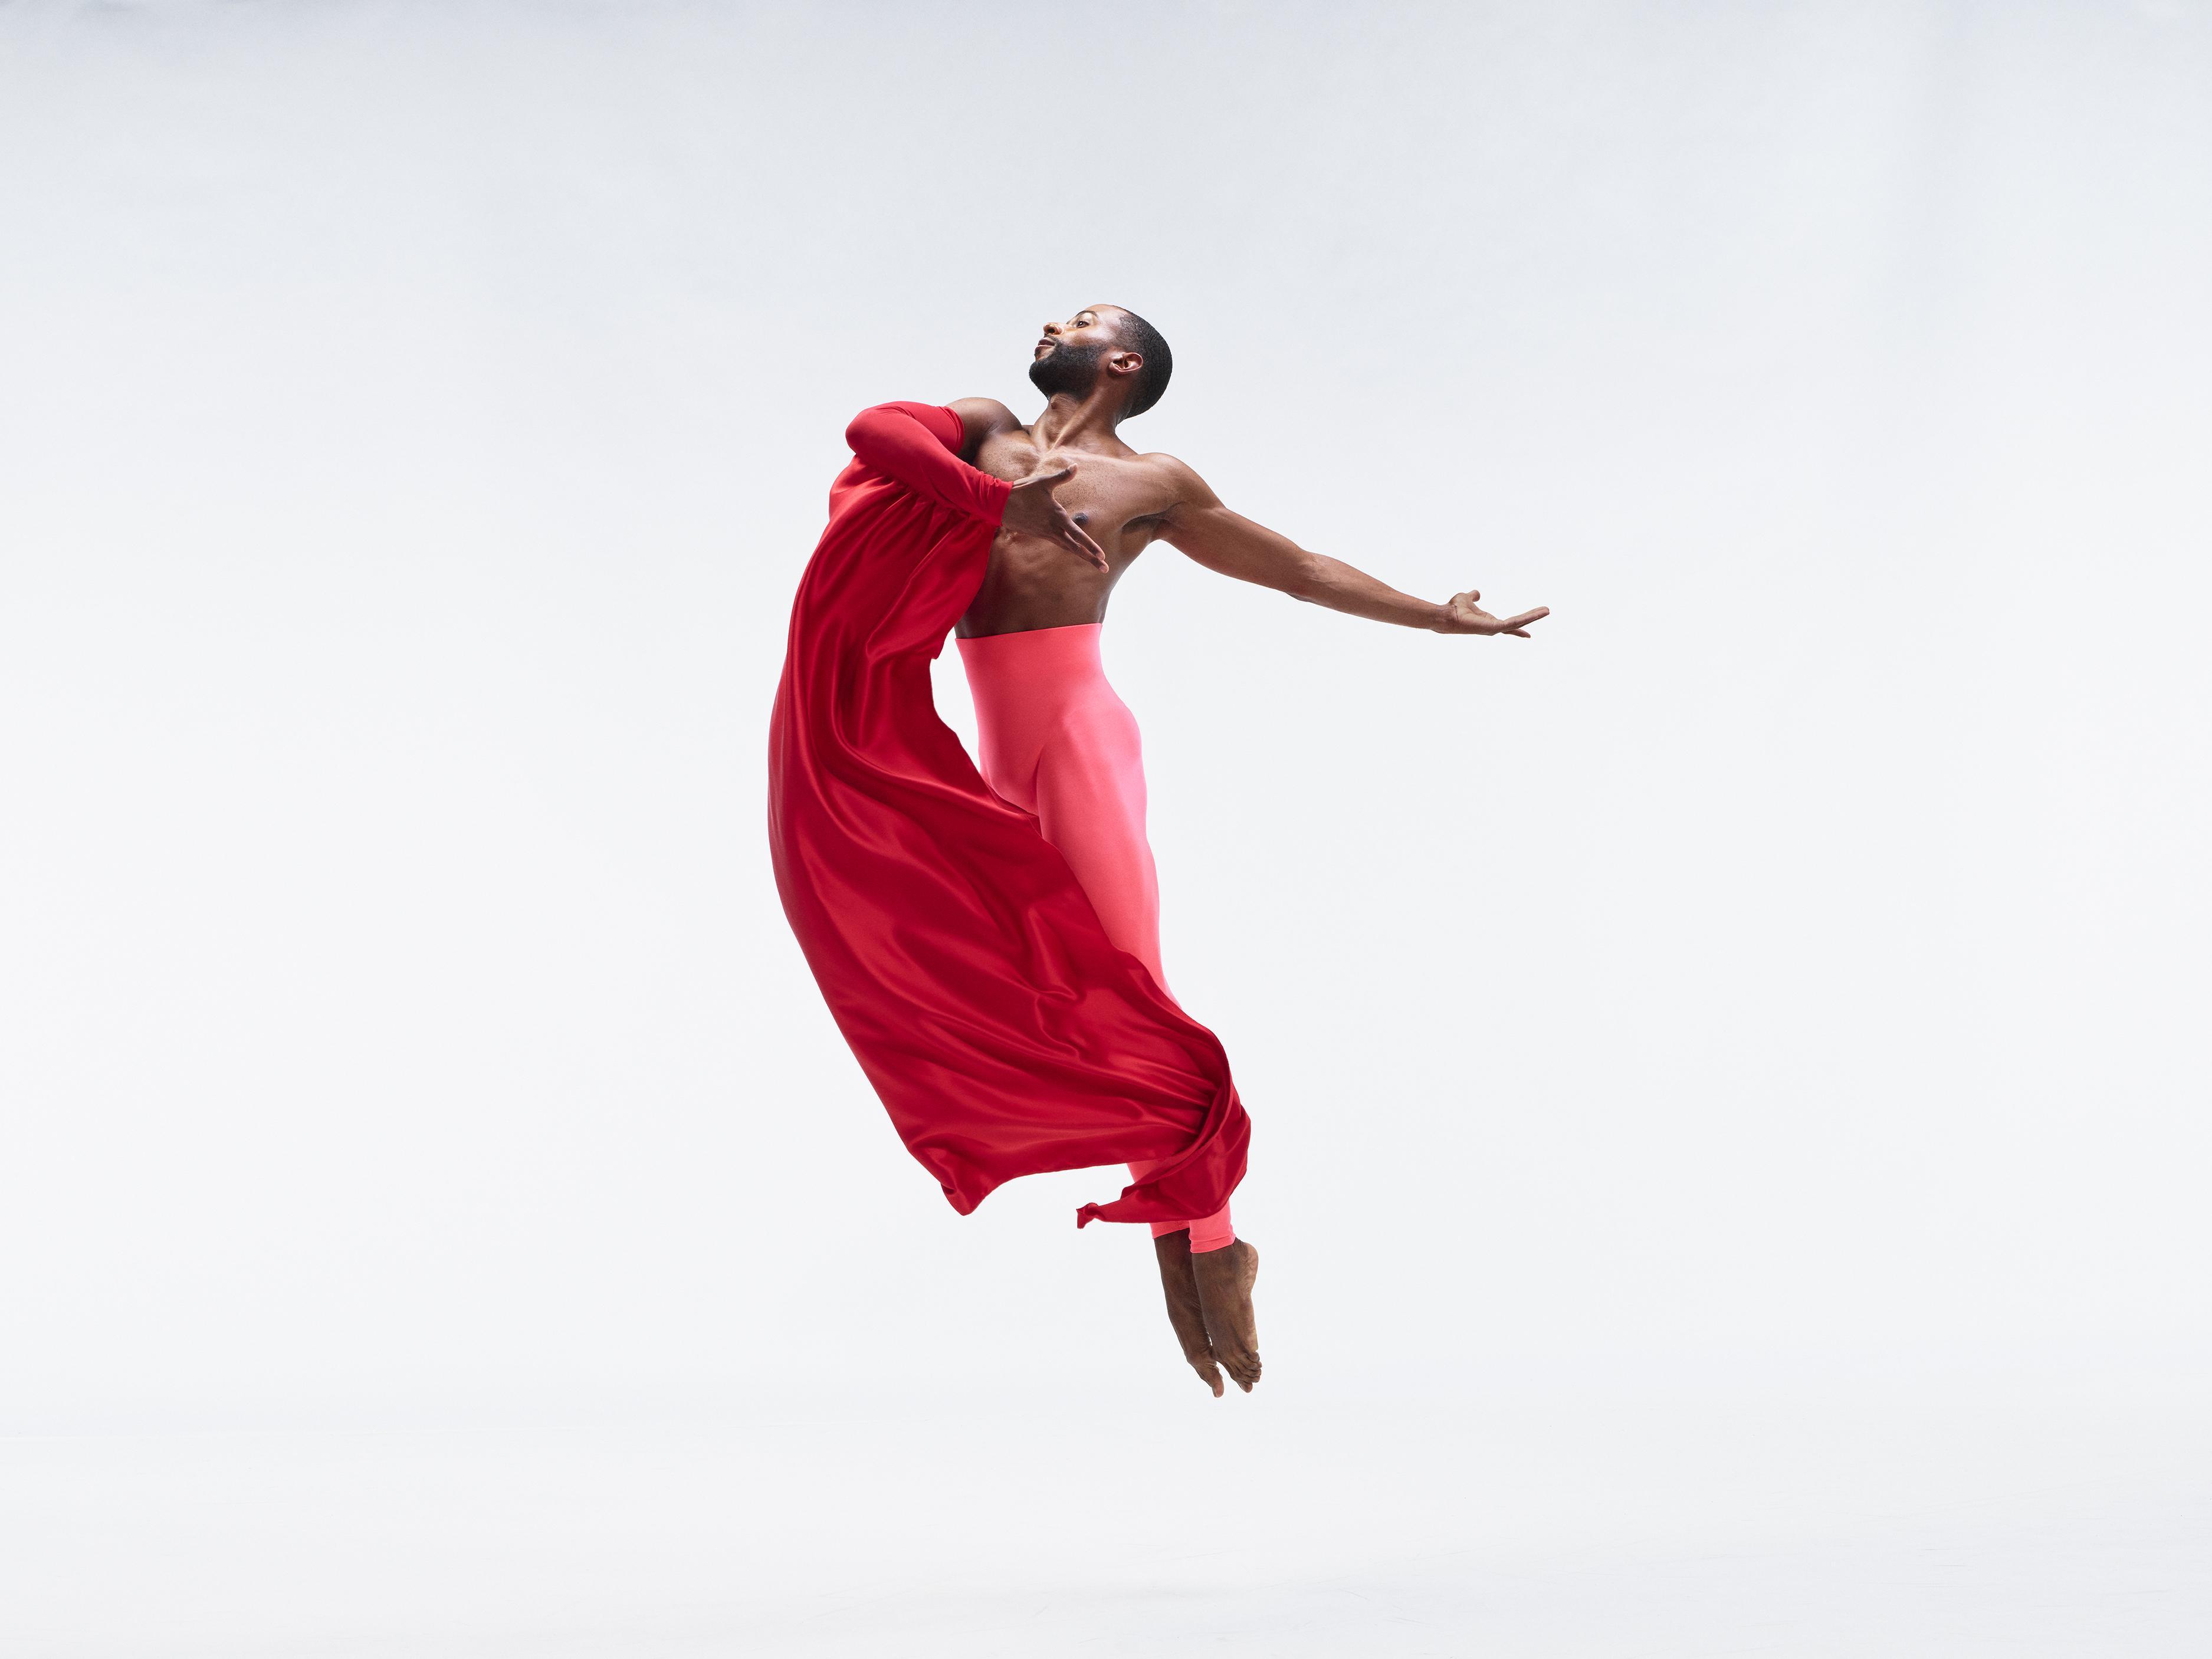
1058	743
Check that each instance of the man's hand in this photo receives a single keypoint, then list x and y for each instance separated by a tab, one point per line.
1463	615
1032	510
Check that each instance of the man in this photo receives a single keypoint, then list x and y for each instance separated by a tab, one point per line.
991	954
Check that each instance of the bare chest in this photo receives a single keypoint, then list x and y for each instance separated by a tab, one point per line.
1114	495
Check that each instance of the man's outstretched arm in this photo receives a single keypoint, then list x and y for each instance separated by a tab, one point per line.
1200	527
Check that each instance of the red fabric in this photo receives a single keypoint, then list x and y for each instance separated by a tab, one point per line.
1003	1030
902	441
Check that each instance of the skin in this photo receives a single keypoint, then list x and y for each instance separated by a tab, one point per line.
1186	1311
1085	505
1079	489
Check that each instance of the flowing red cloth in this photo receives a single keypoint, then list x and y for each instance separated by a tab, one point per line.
1003	1032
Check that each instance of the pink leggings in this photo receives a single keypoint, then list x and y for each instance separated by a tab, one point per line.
1058	743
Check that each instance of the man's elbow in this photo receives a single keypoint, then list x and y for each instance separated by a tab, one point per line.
878	426
1307	578
859	428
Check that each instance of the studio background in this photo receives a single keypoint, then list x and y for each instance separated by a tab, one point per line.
1731	1068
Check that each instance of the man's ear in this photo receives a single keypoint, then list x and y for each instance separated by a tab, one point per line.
1125	362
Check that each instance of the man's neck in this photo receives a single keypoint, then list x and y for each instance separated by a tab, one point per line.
1072	422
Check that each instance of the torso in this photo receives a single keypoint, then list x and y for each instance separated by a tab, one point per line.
1120	495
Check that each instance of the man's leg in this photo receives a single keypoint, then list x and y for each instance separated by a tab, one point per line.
1090	790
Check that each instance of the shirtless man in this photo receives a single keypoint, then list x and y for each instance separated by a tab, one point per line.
1055	740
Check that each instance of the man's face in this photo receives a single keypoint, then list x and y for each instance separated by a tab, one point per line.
1066	358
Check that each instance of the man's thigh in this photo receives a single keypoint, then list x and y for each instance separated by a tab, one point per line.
1090	804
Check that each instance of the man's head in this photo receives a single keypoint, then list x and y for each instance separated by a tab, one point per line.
1108	343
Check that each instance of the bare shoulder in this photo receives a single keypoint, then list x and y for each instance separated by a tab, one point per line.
1178	479
980	418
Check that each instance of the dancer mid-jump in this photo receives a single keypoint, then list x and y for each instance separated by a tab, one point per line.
992	955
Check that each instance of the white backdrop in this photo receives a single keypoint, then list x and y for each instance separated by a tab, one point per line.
1784	977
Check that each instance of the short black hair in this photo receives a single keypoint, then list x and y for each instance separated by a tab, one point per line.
1137	334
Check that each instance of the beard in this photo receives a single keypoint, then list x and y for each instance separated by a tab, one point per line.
1072	369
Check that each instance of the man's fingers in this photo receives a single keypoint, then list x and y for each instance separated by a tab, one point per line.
1066	528
1080	538
1517	623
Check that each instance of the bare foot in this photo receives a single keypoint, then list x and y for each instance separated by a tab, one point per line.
1224	1292
1184	1312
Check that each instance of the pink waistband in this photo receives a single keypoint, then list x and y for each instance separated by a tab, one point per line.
1049	651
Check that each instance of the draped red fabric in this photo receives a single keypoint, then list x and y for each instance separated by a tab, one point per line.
1005	1033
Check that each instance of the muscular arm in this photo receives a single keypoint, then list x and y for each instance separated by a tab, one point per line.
911	442
1199	526
921	444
